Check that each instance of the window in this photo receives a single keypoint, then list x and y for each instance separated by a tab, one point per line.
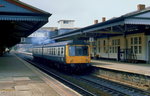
104	50
136	45
113	42
116	49
140	49
104	46
54	51
104	43
50	51
62	51
72	51
131	40
132	49
78	50
139	40
115	45
135	40
110	49
99	46
58	51
135	50
113	50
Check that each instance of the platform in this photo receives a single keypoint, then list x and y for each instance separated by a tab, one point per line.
139	68
19	78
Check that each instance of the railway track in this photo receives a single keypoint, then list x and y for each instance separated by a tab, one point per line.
79	89
112	88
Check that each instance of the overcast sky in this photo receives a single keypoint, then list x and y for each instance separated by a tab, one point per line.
84	12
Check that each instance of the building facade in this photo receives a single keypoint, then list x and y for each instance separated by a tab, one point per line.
124	38
109	47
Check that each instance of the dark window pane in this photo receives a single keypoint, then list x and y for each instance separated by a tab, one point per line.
140	40
131	40
140	49
135	40
135	49
78	51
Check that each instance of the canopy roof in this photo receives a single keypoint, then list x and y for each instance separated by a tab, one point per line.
128	23
17	20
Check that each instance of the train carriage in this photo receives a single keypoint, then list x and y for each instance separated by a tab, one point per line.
70	54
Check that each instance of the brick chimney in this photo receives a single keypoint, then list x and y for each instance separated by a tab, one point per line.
103	19
95	21
140	7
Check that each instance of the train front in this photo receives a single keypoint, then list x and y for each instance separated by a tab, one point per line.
78	56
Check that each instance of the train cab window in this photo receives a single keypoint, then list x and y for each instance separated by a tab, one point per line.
78	50
72	51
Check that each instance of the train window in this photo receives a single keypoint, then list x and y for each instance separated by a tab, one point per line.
54	51
62	51
58	51
78	50
72	50
46	50
50	51
36	50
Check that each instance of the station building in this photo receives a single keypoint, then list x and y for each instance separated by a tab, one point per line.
132	45
124	38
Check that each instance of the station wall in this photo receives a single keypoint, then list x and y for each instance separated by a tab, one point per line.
108	47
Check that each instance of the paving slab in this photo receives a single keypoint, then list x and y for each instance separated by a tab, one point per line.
18	79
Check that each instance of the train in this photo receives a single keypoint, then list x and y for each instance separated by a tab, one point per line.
66	55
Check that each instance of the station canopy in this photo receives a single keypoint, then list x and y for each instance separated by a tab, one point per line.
133	22
17	20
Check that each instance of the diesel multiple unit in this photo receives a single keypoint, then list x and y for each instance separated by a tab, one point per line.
67	54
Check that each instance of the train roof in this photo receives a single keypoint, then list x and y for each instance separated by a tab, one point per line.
67	43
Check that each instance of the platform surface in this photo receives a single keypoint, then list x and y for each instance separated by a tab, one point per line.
17	79
139	68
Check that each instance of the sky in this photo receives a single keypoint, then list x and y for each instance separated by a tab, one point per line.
84	12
